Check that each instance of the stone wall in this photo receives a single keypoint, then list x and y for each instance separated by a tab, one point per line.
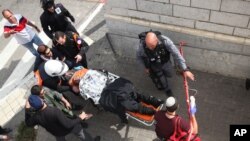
217	32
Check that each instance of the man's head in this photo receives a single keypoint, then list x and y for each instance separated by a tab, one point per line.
45	50
8	15
37	90
60	37
171	104
151	40
36	102
48	5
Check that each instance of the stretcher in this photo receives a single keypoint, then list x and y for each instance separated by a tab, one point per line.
147	120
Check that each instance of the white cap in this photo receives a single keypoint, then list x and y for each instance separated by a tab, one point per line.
170	101
55	68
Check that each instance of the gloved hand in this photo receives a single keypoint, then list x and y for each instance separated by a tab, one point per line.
193	107
78	67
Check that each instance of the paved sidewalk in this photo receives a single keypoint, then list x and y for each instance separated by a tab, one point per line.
221	100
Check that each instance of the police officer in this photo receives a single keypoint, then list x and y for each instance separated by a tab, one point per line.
154	54
55	18
72	47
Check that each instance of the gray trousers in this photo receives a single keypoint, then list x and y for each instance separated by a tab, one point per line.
162	71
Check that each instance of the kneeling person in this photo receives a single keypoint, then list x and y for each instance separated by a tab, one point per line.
54	121
53	98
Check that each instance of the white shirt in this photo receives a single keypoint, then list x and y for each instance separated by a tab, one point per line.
24	32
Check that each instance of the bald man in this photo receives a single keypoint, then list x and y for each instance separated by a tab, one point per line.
154	54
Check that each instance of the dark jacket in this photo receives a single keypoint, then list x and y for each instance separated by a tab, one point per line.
57	21
73	46
53	120
115	93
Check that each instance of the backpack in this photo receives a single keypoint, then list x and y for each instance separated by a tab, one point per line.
180	135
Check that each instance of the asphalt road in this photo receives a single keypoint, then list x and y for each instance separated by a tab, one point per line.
15	64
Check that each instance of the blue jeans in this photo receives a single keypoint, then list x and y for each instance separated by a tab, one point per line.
36	40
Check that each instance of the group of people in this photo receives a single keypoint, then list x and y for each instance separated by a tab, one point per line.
65	84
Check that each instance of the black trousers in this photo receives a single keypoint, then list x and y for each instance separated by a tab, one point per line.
70	27
76	101
80	133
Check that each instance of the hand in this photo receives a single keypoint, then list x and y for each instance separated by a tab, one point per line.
78	58
68	105
189	75
12	32
76	89
27	105
83	116
147	71
72	19
5	137
193	108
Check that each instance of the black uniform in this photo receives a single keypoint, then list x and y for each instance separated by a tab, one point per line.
158	60
57	21
73	46
121	96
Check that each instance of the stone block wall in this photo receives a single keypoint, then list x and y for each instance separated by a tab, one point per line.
209	15
213	29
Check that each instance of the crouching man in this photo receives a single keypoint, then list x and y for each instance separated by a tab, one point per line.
54	120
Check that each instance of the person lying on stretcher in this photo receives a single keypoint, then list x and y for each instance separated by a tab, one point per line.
113	93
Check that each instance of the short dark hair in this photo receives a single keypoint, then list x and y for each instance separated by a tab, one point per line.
36	89
58	34
5	11
172	108
42	48
47	3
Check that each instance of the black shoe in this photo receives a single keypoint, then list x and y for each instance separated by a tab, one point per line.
247	84
97	138
169	93
158	103
5	130
155	102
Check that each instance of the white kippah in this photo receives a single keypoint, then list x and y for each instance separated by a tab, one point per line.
170	101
